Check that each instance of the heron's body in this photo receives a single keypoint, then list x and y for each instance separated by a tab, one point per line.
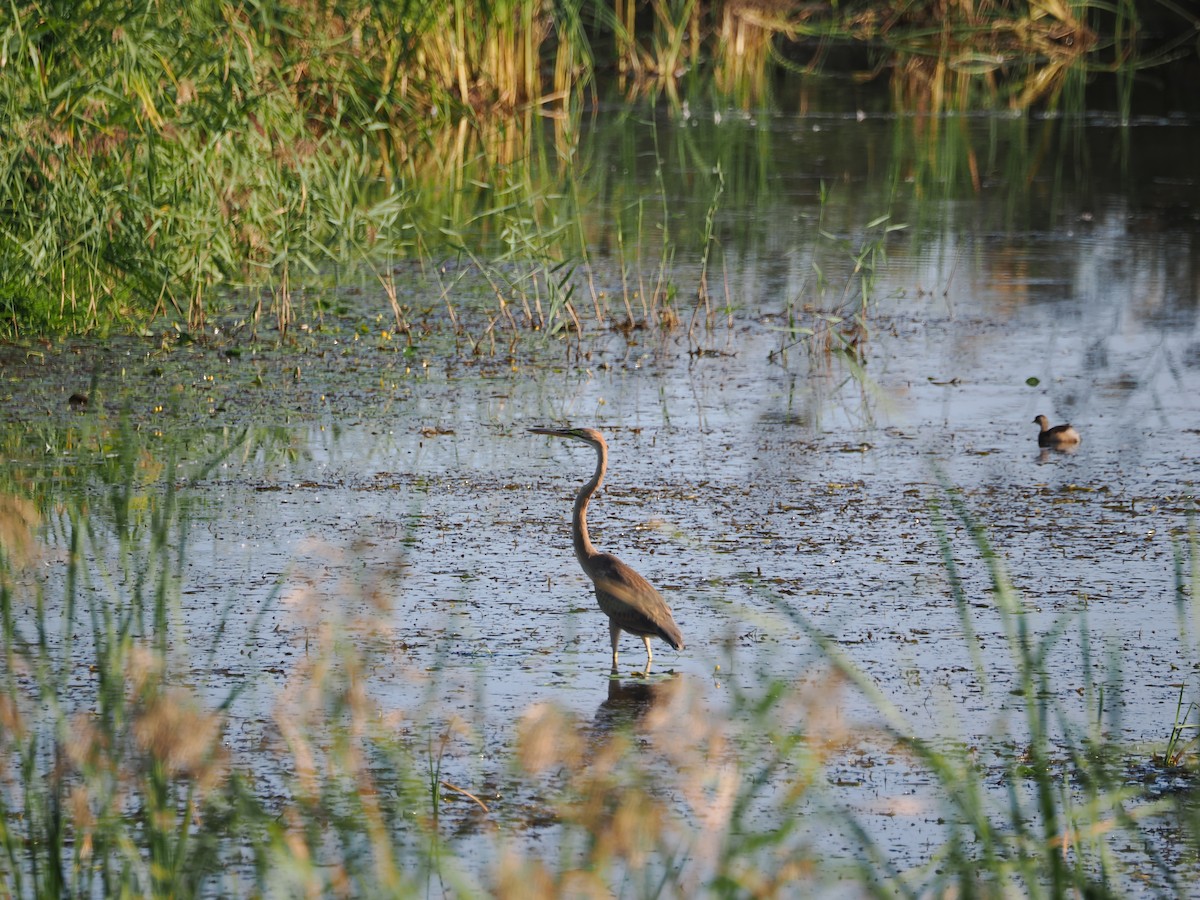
629	600
1058	436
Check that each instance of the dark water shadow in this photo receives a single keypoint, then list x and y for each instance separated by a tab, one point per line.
1050	454
630	701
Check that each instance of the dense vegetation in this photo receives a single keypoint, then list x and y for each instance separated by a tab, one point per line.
178	161
157	155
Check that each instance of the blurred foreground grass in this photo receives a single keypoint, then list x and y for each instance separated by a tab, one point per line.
125	771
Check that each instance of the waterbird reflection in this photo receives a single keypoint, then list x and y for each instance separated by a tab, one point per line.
1049	454
629	702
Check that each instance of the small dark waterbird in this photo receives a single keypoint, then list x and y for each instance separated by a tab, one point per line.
630	602
1058	436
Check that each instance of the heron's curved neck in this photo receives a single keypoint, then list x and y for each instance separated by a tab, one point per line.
579	529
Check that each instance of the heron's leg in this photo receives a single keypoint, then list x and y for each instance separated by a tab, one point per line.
614	633
649	655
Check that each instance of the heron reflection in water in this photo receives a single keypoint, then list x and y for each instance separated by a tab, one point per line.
630	602
629	703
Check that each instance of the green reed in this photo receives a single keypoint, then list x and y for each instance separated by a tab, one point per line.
1063	821
109	762
164	157
165	153
115	774
115	777
1067	803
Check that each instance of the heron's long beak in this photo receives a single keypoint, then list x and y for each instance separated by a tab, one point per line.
553	432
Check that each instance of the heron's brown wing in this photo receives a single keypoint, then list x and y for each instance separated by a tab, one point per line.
632	602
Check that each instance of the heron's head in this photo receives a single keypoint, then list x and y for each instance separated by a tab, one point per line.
589	436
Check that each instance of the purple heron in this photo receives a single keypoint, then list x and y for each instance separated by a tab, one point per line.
630	602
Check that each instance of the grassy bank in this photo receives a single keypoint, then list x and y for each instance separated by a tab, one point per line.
166	161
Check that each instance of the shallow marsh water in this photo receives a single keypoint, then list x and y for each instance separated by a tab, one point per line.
759	481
